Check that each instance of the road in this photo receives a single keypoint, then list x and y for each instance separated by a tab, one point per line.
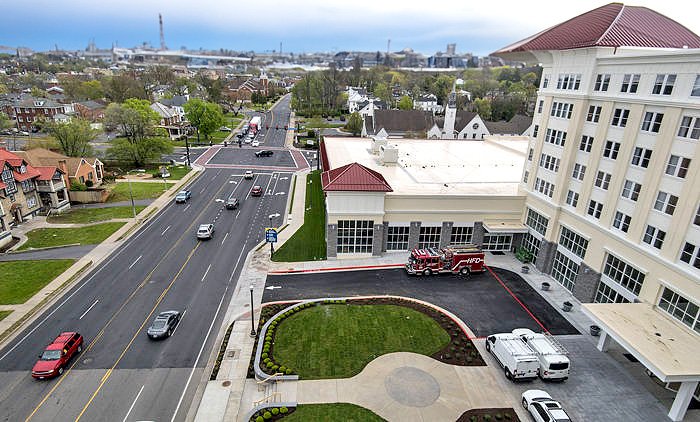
121	374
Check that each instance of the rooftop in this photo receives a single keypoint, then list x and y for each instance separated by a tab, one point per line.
439	167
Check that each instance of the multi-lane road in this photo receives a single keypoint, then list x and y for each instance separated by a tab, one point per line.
121	374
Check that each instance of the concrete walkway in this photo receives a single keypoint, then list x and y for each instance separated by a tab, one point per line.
137	202
63	252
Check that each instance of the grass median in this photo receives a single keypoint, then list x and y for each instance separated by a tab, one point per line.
330	412
88	235
140	190
92	215
4	314
20	280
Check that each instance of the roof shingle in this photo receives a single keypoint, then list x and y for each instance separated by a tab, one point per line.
354	177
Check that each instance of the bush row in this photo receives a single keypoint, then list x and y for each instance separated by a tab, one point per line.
267	414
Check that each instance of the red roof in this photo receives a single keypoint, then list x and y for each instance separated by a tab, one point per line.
47	172
354	177
14	160
612	25
29	174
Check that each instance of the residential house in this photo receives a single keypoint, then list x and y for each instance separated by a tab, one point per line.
19	199
518	125
92	111
52	188
241	88
427	102
86	170
171	119
29	110
368	107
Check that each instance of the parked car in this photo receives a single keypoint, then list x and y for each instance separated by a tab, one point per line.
205	231
225	129
56	356
163	325
263	153
248	175
542	407
255	144
183	196
232	203
518	360
256	191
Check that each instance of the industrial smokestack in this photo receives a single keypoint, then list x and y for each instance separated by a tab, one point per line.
162	36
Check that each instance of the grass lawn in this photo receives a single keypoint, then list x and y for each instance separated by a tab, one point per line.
309	242
141	190
89	235
20	280
332	412
3	314
91	215
177	172
337	341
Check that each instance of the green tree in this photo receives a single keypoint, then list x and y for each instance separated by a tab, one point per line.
38	92
354	124
73	137
122	87
141	152
382	91
5	121
483	108
91	90
441	87
204	116
405	103
134	119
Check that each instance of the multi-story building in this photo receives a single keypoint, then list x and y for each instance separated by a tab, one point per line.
30	110
611	177
19	199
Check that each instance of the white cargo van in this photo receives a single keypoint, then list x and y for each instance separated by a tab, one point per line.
554	363
514	355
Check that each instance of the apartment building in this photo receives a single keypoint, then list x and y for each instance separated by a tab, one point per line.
612	176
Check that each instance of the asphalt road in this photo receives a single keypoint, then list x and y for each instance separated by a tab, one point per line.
121	374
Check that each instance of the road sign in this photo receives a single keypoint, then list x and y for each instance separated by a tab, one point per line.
271	235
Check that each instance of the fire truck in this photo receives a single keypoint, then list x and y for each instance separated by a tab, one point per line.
462	259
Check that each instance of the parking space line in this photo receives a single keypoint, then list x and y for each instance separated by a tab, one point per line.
516	299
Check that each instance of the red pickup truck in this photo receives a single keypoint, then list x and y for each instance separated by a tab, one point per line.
55	358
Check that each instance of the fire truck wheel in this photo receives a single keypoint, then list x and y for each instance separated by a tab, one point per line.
465	271
427	271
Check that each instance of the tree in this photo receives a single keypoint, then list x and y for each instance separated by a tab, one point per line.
38	92
141	152
73	137
122	87
5	121
382	91
204	116
483	108
354	124
405	103
136	121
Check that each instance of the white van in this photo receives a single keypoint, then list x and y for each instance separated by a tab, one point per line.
554	363
518	360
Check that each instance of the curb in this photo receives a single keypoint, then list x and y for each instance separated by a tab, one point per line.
337	269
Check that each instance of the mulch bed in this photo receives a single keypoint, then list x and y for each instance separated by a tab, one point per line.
13	242
489	415
267	312
274	417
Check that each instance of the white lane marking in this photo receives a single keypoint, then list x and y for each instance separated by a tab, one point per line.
166	229
267	188
88	309
280	193
224	239
185	209
239	211
206	272
179	322
284	178
133	404
203	189
273	287
277	179
134	263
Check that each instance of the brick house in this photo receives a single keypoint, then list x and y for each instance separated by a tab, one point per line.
80	169
19	199
90	110
30	110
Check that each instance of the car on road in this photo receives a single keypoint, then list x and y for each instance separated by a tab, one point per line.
53	361
255	144
205	231
232	203
163	325
225	129
256	191
183	196
264	153
248	140
248	175
543	408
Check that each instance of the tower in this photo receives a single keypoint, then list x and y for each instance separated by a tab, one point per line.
450	115
162	36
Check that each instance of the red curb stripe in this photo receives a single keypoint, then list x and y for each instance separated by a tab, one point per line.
516	299
355	267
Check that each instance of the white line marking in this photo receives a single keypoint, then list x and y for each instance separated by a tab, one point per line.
203	189
134	263
178	323
267	188
239	211
224	239
185	209
133	404
88	309
206	272
166	229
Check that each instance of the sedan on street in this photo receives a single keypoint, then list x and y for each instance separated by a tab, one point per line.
256	191
164	325
543	408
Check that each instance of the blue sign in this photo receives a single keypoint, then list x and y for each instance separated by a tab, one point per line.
271	235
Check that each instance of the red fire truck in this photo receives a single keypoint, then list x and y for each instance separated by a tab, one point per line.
463	259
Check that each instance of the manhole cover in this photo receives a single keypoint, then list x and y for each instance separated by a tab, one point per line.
226	383
412	387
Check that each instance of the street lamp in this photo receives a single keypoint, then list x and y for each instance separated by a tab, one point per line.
252	314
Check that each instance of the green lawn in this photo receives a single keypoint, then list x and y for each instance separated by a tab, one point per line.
141	190
88	235
4	314
20	280
309	242
178	172
332	412
337	341
92	215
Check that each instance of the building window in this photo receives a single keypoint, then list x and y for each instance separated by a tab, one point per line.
556	137
595	209
530	154
631	190
602	180
691	255
611	150
355	236
620	117
536	221
690	128
562	110
545	81
569	81
630	83
564	270
680	308
572	198
623	274
9	180
666	203
526	176
544	187
535	131
593	114
641	157
677	166
664	84
696	87
540	106
586	143
652	122
606	294
548	162
654	237
573	242
696	221
497	242
397	238
532	244
31	201
461	235
622	221
602	81
579	171
429	237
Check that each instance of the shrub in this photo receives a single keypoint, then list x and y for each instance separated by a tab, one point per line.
264	355
275	367
499	416
88	183
266	360
275	411
77	186
259	419
268	338
267	415
283	368
288	371
284	410
487	417
269	365
507	416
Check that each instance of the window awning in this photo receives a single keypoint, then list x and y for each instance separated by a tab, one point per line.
505	226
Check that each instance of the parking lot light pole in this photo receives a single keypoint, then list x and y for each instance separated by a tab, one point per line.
252	314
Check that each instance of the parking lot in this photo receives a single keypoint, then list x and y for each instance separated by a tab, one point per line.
245	156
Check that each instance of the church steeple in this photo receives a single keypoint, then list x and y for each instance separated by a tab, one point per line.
450	115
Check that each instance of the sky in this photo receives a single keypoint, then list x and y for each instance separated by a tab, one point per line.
302	26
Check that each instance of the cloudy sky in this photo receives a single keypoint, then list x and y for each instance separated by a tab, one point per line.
301	25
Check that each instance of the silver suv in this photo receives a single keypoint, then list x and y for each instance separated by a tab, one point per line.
205	231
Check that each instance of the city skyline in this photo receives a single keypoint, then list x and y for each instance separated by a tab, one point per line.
366	26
